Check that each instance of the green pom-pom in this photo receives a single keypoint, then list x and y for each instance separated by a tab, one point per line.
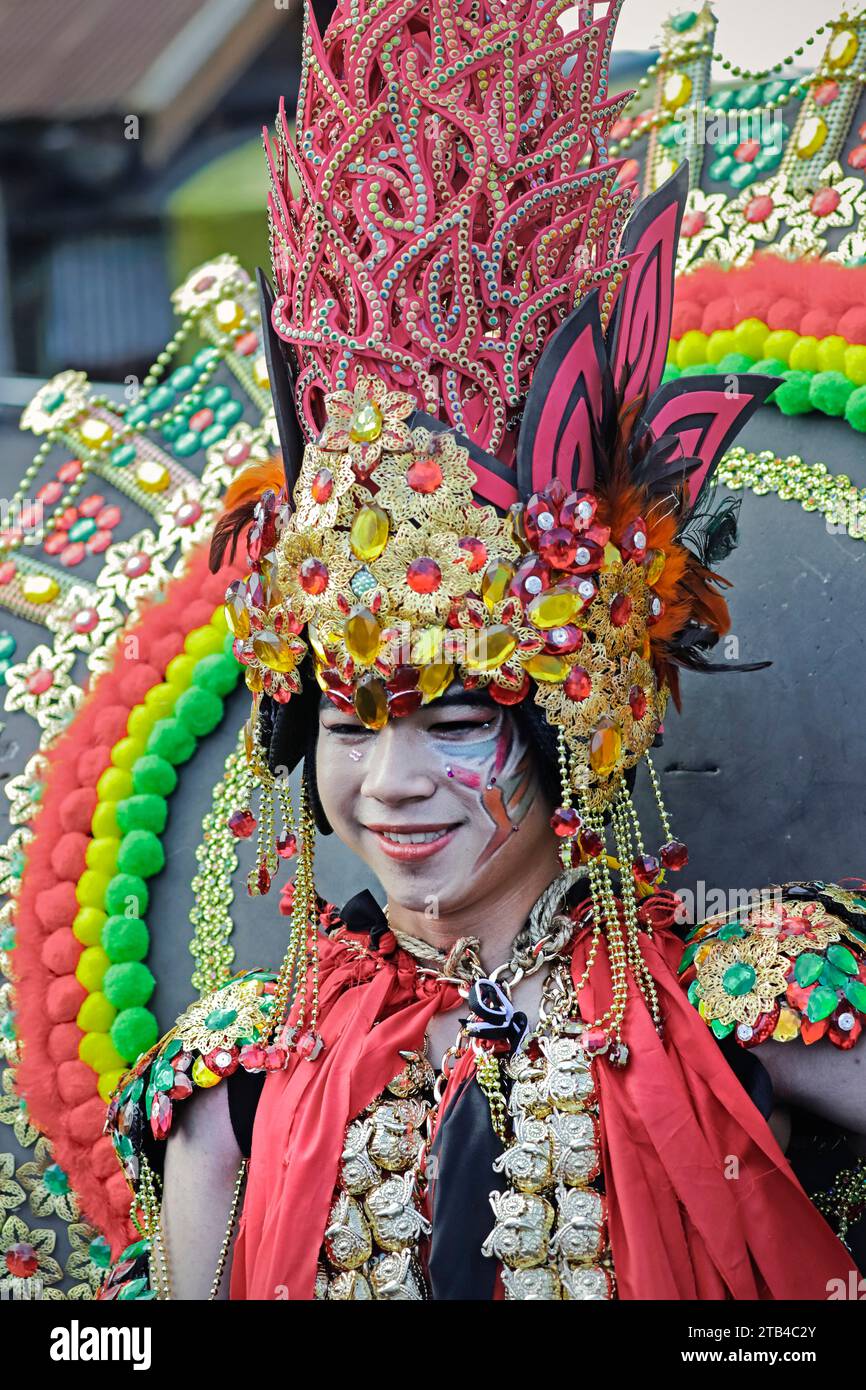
734	362
152	775
142	813
829	392
126	893
771	366
670	373
141	853
792	397
229	649
125	938
855	409
133	1032
700	369
128	985
217	673
199	710
172	740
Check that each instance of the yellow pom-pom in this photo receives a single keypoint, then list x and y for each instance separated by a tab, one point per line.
115	784
218	620
101	854
125	752
692	349
203	641
778	344
750	336
87	925
96	1015
804	355
179	671
670	359
160	699
97	1050
831	354
855	364
90	888
104	821
720	344
92	965
107	1083
141	720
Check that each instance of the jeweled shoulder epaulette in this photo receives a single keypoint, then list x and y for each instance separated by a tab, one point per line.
792	965
226	1029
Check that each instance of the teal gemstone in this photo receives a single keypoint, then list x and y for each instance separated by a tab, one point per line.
7	645
99	1252
138	414
694	994
123	1145
855	990
17	862
670	134
56	1180
688	957
731	930
172	1049
204	357
183	378
768	159
727	141
218	1019
162	397
136	1088
7	1027
230	412
743	175
821	1003
720	1029
750	96
135	1289
738	979
681	23
215	395
7	938
52	400
807	968
720	168
831	977
163	1076
722	101
187	444
841	957
172	429
137	1248
124	454
774	90
213	434
82	529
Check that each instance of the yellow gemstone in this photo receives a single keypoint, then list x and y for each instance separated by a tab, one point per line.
362	636
841	54
435	679
811	137
366	423
274	652
554	608
95	432
369	534
202	1075
489	647
612	556
787	1027
605	747
546	667
676	91
371	704
254	678
260	373
238	617
229	314
39	588
655	566
494	585
152	476
427	646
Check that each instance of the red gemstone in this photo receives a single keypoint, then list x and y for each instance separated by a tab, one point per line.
160	1115
620	610
136	565
531	577
825	201
629	171
275	1057
73	554
594	1039
656	609
759	209
222	1061
313	575
637	701
322	485
825	93
237	454
49	493
204	283
67	518
424	475
7	571
693	223
477	552
565	822
107	516
246	344
22	1260
540	515
84	620
38	682
242	824
201	420
406	702
645	868
30	515
505	695
424	575
54	543
99	542
674	855
182	1087
558	547
252	1057
263	879
578	684
747	151
92	504
857	157
633	541
188	513
563	641
287	846
309	1045
591	843
69	471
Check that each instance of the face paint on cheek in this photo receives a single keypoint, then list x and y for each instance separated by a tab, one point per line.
506	784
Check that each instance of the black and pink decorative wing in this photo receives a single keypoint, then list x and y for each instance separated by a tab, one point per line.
705	413
282	381
565	405
640	326
494	480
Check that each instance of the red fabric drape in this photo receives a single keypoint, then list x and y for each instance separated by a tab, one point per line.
702	1202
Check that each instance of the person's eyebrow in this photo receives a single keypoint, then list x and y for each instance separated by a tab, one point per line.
476	698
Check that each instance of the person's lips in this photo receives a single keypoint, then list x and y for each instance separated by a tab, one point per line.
409	843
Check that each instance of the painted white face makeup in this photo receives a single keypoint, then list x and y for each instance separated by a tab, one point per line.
442	805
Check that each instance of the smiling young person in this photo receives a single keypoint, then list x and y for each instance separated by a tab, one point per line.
470	595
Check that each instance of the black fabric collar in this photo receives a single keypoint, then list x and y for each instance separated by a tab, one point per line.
363	914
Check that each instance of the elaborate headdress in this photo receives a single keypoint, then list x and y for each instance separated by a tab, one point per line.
469	331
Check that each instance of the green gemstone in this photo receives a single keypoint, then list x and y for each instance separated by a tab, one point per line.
680	23
750	96
215	395
124	454
807	968
730	930
229	412
183	378
768	159
743	175
172	429
688	957
694	995
163	1076
162	398
722	101
821	1003
738	979
671	134
82	529
218	1019
172	1049
721	168
204	357
7	645
132	1252
213	434
99	1252
831	977
720	1029
135	1288
138	414
774	90
841	957
136	1088
856	992
56	1180
52	401
187	444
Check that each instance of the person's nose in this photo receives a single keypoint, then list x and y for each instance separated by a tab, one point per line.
398	768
